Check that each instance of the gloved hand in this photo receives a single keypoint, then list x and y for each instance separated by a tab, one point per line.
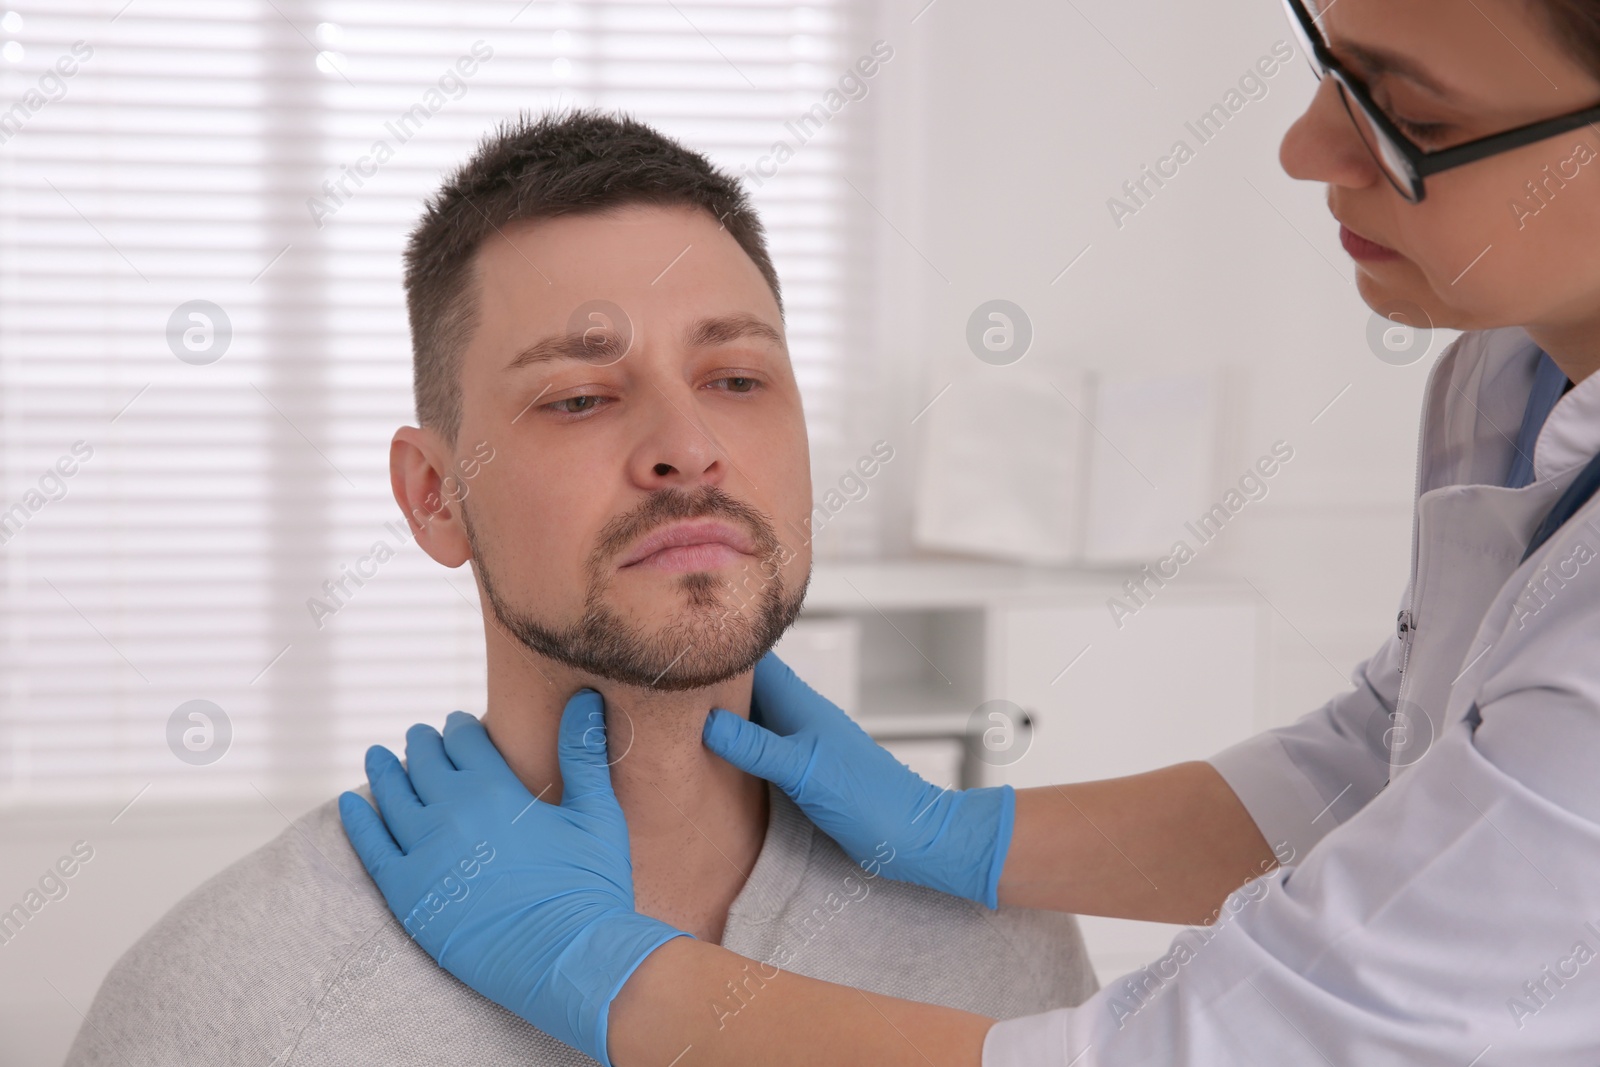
527	902
860	795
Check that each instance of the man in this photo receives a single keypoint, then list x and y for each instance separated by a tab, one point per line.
612	434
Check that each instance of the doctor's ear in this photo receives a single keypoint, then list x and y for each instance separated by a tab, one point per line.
428	489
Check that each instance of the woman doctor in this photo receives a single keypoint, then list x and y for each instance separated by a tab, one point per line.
1439	907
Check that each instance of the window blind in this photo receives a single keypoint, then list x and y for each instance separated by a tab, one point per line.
203	347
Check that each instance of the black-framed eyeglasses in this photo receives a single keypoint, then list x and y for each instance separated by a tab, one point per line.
1402	161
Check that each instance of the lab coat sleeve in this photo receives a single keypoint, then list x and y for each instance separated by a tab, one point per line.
1540	698
1455	921
1300	781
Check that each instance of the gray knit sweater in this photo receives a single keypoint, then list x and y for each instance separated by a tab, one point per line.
290	956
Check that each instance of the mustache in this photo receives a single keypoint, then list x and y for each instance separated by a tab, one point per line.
675	505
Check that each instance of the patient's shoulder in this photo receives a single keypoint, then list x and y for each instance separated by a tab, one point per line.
290	956
810	909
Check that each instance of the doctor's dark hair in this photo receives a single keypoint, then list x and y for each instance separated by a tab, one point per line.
578	162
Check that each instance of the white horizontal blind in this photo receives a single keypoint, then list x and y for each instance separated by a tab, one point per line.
184	159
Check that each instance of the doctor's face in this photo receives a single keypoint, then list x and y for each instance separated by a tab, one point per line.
1508	240
639	518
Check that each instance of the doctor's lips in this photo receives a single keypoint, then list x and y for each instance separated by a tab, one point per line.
695	545
1360	247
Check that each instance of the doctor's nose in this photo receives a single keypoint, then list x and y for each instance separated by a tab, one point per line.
1323	144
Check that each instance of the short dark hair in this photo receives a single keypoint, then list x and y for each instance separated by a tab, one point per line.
562	163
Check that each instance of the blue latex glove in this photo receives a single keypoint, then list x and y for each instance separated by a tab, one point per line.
528	903
954	840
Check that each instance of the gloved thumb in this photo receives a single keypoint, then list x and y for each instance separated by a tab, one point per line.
756	750
581	750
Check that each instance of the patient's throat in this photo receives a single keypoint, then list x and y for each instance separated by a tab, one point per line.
699	907
689	875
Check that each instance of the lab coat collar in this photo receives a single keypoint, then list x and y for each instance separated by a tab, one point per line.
1477	394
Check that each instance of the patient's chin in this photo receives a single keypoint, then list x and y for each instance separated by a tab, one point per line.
705	638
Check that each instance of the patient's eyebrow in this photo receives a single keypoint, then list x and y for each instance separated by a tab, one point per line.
593	346
723	329
604	346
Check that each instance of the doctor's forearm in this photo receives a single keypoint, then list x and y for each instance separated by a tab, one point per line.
679	1008
1167	846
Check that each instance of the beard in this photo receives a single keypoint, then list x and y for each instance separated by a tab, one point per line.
710	639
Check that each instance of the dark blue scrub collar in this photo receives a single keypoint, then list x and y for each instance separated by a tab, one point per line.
1549	384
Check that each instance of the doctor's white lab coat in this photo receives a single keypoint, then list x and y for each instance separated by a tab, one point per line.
1439	902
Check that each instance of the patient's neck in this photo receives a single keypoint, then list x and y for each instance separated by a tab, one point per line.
695	823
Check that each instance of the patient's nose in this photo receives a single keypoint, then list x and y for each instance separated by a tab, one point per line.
677	452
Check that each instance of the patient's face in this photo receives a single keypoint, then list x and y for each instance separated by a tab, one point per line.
642	518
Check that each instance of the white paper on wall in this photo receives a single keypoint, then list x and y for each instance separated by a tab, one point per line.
1001	471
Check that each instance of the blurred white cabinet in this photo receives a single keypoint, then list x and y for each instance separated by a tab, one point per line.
941	642
990	673
1176	683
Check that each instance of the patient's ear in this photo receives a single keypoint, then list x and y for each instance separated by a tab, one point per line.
419	464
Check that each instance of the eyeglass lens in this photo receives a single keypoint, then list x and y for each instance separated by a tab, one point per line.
1390	160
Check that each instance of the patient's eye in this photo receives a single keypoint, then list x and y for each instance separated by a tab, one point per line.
737	384
577	405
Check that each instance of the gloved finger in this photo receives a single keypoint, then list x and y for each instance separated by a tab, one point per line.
469	747
429	766
782	701
756	750
368	836
397	801
581	750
